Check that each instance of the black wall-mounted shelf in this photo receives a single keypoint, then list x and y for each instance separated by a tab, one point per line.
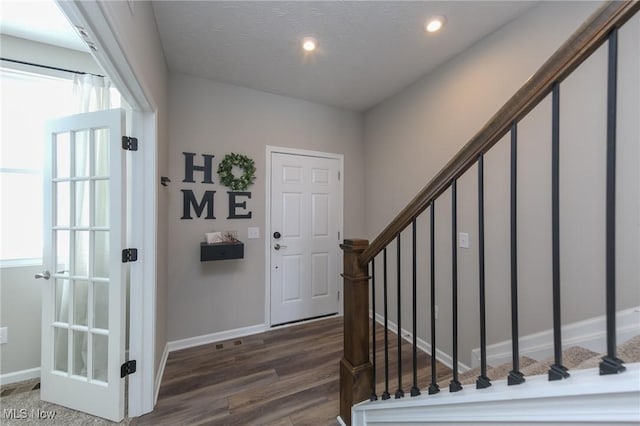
221	251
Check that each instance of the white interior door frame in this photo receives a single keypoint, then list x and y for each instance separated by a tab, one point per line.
142	322
267	238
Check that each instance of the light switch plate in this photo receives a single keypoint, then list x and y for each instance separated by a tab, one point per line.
253	232
4	335
464	240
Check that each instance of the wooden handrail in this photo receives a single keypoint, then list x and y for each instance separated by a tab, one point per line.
569	56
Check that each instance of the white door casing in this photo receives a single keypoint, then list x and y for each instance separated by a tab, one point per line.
99	21
306	209
83	317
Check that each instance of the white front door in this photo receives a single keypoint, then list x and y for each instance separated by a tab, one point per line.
306	211
83	297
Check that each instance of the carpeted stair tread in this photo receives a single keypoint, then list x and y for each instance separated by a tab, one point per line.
574	355
571	358
502	371
466	378
629	351
469	377
498	373
592	362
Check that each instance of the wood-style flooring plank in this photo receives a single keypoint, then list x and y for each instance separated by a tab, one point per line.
284	377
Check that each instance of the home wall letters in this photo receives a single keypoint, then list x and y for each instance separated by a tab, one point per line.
192	204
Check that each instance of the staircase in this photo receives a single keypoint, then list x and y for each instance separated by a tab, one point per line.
585	398
575	358
575	385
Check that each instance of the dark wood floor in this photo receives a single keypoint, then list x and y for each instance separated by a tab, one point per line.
287	376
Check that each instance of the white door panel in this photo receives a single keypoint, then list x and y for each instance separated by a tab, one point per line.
306	209
84	232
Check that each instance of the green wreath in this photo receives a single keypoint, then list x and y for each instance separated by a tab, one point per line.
225	172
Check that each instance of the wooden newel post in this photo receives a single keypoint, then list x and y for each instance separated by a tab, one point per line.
356	372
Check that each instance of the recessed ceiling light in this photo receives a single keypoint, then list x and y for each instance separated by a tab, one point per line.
309	44
435	24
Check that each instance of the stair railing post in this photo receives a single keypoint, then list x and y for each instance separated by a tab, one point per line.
356	371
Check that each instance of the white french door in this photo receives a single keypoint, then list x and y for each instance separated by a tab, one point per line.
83	297
306	214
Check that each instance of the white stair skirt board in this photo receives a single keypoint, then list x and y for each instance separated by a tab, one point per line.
589	334
424	346
585	397
20	376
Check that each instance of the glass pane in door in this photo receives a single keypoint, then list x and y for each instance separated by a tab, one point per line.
101	198
62	143
100	356
101	141
80	353
82	154
62	253
80	297
62	197
81	254
101	254
83	202
61	303
101	305
60	349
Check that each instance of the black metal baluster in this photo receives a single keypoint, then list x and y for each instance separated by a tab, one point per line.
399	391
482	381
433	387
385	394
373	396
515	376
415	391
557	370
454	385
611	364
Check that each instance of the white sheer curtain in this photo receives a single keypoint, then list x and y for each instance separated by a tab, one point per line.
91	93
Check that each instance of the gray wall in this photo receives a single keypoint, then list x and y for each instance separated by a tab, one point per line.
20	312
213	118
409	137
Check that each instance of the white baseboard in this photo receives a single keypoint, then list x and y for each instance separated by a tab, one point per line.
424	346
160	373
190	342
20	376
589	334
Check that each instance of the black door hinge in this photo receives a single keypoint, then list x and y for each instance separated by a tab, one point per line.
129	143
129	255
127	368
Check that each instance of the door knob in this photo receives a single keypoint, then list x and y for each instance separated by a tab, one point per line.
46	275
278	247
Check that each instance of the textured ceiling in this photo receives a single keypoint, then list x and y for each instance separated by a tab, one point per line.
368	50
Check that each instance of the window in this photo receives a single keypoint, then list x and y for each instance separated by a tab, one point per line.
28	101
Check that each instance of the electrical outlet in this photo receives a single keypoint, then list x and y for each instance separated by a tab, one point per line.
4	335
